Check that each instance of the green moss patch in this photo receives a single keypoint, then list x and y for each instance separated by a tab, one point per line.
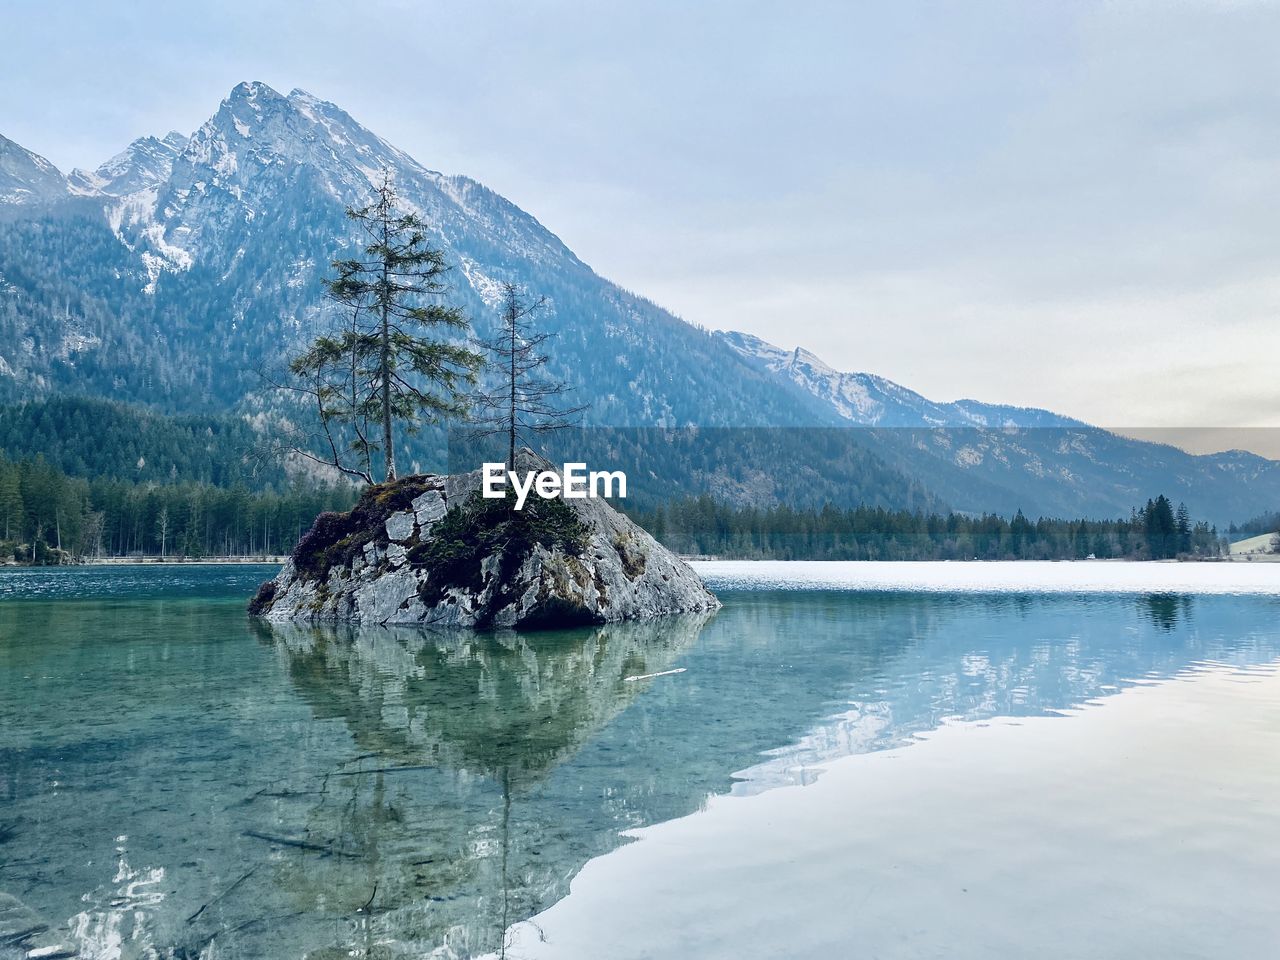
477	529
335	539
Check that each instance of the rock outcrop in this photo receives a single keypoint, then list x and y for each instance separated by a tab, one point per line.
430	550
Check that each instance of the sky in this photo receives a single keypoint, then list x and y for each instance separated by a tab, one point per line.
1072	205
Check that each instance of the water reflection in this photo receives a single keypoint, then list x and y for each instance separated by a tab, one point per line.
1167	610
445	839
504	705
389	793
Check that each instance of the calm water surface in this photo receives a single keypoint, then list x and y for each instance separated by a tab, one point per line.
176	781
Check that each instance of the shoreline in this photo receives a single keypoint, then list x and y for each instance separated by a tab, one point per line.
691	559
150	562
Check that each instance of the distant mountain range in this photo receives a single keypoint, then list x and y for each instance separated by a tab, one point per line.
980	456
171	274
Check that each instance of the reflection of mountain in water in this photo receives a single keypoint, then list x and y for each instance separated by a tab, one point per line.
537	752
986	656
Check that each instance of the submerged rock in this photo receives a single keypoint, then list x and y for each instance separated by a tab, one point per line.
429	550
25	936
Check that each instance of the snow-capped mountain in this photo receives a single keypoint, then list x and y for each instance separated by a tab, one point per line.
183	264
175	271
27	177
979	456
868	400
145	163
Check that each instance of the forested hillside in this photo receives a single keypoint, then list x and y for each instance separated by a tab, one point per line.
99	438
1256	526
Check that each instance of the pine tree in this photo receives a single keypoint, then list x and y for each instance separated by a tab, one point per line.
1020	531
1161	528
11	508
1182	528
390	362
1082	541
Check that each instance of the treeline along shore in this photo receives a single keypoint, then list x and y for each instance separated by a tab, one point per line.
49	517
702	526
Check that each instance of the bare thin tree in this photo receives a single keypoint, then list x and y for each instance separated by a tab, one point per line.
328	379
526	402
162	530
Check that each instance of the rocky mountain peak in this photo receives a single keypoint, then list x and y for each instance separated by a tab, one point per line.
143	165
27	177
869	400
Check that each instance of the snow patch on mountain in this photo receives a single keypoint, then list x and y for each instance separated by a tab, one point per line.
868	400
133	219
488	289
27	177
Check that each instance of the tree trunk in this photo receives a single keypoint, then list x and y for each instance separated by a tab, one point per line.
386	399
385	364
511	446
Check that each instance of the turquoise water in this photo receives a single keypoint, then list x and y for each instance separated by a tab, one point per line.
177	781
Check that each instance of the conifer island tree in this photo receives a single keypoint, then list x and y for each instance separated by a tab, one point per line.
526	400
391	360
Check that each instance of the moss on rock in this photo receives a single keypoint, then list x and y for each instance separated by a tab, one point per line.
336	538
479	529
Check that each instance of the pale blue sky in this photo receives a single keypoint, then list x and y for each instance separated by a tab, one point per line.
1071	205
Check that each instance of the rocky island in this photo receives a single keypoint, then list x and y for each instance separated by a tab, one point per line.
430	550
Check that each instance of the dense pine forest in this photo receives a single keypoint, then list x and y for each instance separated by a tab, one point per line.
47	516
85	437
705	527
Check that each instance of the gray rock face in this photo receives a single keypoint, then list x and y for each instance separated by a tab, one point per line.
396	558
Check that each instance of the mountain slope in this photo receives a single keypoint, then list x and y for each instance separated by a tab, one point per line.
145	163
27	177
104	439
868	400
980	456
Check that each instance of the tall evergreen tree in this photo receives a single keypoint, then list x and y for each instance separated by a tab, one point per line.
11	509
1161	528
390	362
1182	528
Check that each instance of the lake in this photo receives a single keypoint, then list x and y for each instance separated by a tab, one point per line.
848	760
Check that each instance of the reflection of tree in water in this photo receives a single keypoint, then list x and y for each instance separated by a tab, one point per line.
1168	610
456	732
